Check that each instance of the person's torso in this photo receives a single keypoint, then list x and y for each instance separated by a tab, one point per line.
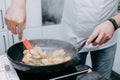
80	17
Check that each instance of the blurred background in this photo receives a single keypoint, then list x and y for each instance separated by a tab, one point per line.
119	5
52	11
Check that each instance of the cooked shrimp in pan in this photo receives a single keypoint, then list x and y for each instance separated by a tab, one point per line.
36	56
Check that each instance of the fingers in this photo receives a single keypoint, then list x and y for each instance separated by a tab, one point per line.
8	26
11	25
13	28
92	37
16	27
101	38
20	29
105	38
20	34
7	23
6	20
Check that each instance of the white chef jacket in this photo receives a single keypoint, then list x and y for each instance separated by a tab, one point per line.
80	17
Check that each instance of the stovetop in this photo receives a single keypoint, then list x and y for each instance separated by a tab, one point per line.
68	74
7	72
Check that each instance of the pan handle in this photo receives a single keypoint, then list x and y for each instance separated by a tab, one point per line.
72	74
79	45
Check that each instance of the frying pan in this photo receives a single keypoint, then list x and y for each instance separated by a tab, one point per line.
15	55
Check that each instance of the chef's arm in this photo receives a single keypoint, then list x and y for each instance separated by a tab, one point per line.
15	17
104	31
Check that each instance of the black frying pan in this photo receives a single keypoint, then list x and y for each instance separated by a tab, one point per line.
15	55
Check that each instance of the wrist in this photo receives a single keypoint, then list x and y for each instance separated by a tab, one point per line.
114	23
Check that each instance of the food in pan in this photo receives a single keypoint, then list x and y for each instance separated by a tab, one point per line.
36	56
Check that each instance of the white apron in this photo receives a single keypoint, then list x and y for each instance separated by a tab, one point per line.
80	17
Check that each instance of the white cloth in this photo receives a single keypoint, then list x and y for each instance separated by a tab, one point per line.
80	17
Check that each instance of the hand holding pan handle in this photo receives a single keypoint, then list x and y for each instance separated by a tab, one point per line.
82	43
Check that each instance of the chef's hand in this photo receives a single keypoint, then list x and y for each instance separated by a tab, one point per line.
103	32
15	17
